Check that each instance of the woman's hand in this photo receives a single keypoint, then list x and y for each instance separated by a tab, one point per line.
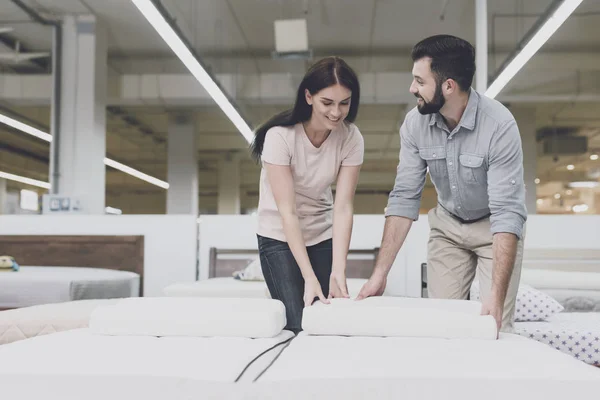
312	289
337	286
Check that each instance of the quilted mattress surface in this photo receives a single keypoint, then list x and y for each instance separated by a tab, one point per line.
27	322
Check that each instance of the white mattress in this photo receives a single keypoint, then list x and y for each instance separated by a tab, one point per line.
576	334
231	287
219	287
450	368
75	365
510	357
76	354
33	285
26	322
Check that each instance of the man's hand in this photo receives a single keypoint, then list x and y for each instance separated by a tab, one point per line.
495	308
375	286
337	286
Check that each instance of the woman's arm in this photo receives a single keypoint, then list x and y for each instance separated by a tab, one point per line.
343	214
282	185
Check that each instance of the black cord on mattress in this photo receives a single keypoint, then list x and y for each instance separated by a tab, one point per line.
287	341
274	359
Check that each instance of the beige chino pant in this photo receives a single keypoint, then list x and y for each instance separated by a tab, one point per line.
457	252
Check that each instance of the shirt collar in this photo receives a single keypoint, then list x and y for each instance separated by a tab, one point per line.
468	118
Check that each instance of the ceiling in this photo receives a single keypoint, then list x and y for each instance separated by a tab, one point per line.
560	85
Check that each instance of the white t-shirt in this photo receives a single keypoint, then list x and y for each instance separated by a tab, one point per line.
314	171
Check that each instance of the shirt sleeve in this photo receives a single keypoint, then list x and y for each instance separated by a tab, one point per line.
276	150
353	150
405	198
506	187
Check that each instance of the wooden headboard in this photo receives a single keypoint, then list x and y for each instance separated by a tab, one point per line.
223	262
123	253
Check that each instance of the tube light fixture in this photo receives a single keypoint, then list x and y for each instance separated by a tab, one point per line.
111	163
22	179
541	36
181	50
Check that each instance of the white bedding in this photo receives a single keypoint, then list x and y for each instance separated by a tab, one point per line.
219	287
191	317
33	285
576	334
449	369
79	353
231	287
27	322
75	363
399	317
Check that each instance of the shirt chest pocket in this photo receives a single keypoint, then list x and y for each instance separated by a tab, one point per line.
472	169
436	160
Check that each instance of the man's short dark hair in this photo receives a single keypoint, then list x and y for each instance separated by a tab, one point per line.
451	58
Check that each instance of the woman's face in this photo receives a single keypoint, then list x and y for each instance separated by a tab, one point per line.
330	106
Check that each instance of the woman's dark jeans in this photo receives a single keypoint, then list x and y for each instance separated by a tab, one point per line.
284	279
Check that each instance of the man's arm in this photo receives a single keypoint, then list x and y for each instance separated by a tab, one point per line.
402	209
506	192
504	251
394	233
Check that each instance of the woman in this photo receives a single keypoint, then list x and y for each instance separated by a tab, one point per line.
303	236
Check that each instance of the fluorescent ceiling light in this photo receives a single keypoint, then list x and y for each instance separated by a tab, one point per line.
153	15
25	128
22	179
136	173
111	163
541	36
45	185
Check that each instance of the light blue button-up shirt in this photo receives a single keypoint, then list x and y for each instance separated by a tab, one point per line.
477	168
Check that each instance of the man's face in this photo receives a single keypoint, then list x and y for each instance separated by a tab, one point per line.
425	87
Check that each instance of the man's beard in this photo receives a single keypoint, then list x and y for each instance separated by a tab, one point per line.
436	103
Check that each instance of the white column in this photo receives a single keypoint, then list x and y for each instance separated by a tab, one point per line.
3	196
229	185
182	195
81	142
525	117
481	45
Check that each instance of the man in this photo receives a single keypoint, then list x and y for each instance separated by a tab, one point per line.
472	148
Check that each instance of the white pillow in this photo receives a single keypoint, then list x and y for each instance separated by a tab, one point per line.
252	272
399	317
190	316
531	304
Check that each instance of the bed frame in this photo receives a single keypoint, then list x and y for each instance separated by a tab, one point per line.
223	262
122	253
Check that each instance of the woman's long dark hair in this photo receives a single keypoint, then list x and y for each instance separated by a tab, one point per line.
327	72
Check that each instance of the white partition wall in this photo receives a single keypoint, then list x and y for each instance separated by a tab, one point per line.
543	232
171	252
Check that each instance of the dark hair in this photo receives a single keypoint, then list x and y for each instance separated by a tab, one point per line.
326	72
451	58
